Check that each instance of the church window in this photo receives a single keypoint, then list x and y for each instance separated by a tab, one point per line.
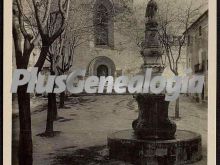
101	26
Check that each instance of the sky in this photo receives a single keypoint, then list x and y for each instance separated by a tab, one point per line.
142	4
175	5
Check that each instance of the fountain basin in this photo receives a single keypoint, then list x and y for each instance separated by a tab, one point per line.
184	149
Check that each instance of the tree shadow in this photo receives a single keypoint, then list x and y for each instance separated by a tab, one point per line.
96	155
49	134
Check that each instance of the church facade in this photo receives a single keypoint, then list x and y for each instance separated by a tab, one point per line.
109	46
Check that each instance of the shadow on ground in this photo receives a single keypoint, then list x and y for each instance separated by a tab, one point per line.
96	155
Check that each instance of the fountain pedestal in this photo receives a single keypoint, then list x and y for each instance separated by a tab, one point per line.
153	121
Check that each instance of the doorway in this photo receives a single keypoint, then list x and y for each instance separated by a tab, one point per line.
102	70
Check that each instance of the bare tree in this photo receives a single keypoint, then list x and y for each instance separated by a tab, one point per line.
173	22
55	25
22	54
68	43
46	37
60	62
78	32
26	36
65	63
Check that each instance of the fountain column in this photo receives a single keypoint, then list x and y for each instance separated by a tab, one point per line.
154	139
153	121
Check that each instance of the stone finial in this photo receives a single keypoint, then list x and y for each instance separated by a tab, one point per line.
151	47
151	9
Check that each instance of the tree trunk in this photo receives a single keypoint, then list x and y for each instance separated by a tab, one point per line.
42	57
62	99
52	107
55	116
177	109
25	150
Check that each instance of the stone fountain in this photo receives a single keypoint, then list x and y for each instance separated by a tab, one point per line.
154	139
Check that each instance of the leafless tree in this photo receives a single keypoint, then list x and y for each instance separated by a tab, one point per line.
27	33
173	22
22	54
78	32
55	25
65	62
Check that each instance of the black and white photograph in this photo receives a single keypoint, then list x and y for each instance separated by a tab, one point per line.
110	82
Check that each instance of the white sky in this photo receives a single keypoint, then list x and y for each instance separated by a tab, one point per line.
177	3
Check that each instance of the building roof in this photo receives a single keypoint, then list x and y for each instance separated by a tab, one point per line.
205	14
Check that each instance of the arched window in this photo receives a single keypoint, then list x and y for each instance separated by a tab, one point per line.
101	26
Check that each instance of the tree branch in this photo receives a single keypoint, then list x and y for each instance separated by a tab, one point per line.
41	24
21	21
63	22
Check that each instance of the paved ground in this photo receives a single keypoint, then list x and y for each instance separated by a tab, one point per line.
85	125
